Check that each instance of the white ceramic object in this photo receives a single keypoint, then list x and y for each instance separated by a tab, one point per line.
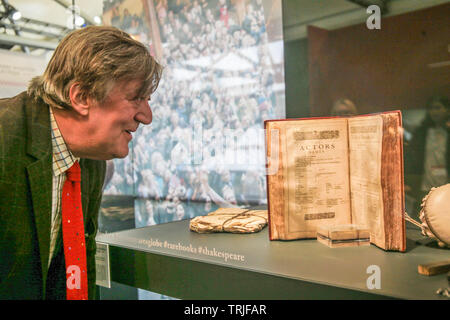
435	215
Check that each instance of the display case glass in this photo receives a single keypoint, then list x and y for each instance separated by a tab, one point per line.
231	64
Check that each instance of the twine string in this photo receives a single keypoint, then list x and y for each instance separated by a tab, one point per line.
242	214
411	220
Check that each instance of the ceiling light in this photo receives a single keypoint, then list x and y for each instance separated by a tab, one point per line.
16	15
97	20
79	21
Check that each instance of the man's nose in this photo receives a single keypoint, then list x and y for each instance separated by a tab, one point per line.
144	114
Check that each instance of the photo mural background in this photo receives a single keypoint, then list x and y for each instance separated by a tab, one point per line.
223	76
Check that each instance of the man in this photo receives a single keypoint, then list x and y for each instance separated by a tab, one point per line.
93	94
343	107
427	160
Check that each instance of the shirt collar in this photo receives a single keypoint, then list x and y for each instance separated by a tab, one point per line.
63	158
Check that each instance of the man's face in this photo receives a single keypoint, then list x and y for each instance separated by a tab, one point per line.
344	110
112	121
438	112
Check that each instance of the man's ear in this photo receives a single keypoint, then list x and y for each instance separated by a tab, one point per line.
78	99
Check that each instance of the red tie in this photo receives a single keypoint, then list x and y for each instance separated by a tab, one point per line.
73	236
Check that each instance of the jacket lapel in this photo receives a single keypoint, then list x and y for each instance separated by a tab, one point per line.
40	176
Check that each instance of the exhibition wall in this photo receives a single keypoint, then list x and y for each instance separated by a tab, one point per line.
16	69
398	66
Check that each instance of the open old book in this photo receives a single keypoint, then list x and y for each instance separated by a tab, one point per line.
336	171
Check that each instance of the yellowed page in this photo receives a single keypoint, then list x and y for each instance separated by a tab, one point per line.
365	140
317	181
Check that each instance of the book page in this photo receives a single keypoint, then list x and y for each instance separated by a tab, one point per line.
365	140
317	178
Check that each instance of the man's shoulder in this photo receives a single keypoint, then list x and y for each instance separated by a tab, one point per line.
21	118
12	108
13	121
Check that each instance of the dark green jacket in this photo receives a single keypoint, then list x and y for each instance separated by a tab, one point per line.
26	204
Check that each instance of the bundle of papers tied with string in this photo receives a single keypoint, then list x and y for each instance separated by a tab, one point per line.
234	220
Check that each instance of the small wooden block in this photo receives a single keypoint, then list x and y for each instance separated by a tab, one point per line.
433	268
343	236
